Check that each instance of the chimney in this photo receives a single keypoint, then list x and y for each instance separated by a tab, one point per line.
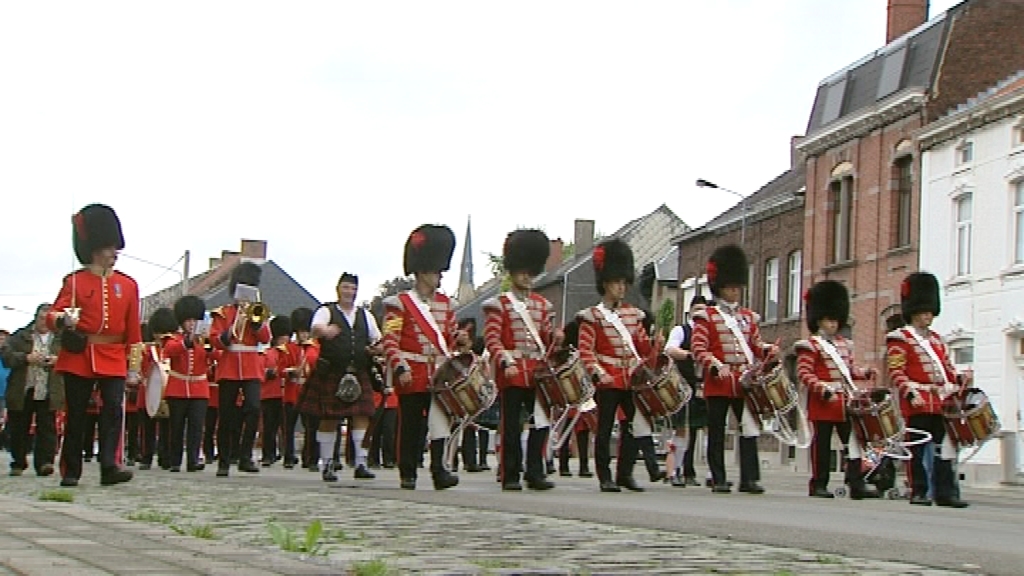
555	257
904	16
583	242
254	249
795	157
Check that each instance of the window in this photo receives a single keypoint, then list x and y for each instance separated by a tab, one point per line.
962	212
963	355
840	208
750	282
965	153
1018	222
1018	134
793	295
771	289
903	181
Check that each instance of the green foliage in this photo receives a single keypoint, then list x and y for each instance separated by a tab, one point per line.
151	516
375	567
666	316
65	496
291	542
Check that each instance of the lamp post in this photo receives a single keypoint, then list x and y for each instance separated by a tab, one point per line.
19	310
702	183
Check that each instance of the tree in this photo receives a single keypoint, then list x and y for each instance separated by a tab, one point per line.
667	316
389	288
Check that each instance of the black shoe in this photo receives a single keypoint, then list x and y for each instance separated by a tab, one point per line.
362	473
565	473
586	474
512	486
821	493
549	468
659	476
721	488
629	483
862	491
145	466
951	503
248	466
484	467
690	481
129	462
115	475
328	475
265	463
678	481
473	468
539	484
752	488
69	482
175	468
609	486
196	467
45	470
223	470
388	465
920	501
289	466
408	484
445	480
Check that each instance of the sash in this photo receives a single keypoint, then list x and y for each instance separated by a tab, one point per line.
734	327
616	322
425	321
524	313
947	387
832	353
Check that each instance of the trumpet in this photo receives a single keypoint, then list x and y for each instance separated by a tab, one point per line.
249	312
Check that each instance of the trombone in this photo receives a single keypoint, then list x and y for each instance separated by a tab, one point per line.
249	312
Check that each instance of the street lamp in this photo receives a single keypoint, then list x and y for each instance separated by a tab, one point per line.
702	183
13	309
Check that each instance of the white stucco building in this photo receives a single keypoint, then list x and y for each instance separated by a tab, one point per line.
972	239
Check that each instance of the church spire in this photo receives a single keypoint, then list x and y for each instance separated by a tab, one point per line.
466	289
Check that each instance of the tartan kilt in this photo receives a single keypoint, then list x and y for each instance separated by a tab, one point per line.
318	398
698	408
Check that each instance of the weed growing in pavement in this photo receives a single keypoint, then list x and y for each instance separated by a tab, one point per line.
290	542
822	559
65	496
375	567
205	532
151	516
494	563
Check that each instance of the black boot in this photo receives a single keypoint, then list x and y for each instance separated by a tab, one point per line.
946	493
859	489
442	477
483	444
650	458
535	474
583	453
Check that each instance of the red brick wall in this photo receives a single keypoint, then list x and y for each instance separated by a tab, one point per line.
875	271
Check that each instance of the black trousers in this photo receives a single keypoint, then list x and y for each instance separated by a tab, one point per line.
582	451
515	404
475	443
688	470
821	450
210	431
131	427
77	391
237	425
310	446
92	422
412	432
187	418
291	420
750	466
156	439
608	402
943	475
19	422
273	422
382	447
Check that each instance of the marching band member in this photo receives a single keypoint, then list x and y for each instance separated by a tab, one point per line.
583	423
920	368
475	438
276	360
300	319
346	334
156	434
304	351
213	407
518	332
239	368
824	362
612	344
694	415
188	390
419	333
97	313
726	342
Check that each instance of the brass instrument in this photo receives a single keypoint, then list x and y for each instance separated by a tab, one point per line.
254	312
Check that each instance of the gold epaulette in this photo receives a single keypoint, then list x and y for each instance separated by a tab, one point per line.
219	311
896	360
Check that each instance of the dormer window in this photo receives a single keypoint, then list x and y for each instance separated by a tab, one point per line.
965	153
1018	133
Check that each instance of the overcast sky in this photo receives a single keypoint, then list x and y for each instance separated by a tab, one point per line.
333	129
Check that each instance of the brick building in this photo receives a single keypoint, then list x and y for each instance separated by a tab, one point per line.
863	188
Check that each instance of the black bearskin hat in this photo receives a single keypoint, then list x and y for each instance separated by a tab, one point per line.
429	249
147	332
827	299
727	266
613	260
301	319
572	334
526	250
163	322
280	326
246	273
919	292
189	308
95	227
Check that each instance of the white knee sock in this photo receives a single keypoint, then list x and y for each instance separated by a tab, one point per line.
681	444
357	439
326	441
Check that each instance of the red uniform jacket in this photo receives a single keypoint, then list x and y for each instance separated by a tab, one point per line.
509	340
817	371
602	349
912	371
240	360
714	344
390	402
109	318
149	351
273	388
211	373
301	361
409	348
187	377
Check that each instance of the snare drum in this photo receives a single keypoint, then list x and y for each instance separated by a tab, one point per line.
971	421
461	386
875	417
661	392
563	382
772	393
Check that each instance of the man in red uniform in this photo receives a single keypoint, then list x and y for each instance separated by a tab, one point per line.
188	390
304	354
726	342
920	368
612	345
420	334
518	331
97	313
240	367
300	318
824	365
276	359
